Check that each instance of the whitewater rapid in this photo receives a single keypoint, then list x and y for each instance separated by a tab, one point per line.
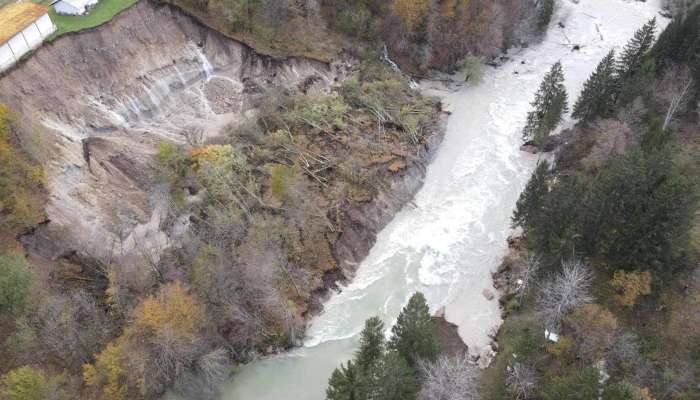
450	242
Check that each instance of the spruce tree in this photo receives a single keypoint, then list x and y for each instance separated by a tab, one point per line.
532	198
412	336
550	105
371	344
633	54
597	97
680	41
344	383
545	13
392	379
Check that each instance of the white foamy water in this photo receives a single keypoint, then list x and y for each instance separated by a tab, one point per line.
450	243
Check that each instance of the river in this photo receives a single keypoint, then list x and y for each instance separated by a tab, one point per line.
450	242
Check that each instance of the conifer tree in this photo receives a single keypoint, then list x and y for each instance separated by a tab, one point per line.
545	13
597	97
344	383
633	54
392	379
549	106
680	41
532	198
371	344
412	336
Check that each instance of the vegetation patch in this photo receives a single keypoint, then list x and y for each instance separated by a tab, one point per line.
616	269
102	13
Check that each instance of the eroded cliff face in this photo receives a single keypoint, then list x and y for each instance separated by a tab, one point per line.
105	98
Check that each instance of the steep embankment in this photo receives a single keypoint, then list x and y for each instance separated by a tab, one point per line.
184	168
106	97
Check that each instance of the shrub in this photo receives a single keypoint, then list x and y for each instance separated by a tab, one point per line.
25	383
474	68
16	279
321	113
618	391
594	329
21	183
391	101
172	161
580	384
561	348
356	21
281	178
223	172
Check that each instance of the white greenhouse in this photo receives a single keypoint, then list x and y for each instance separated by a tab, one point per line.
74	7
23	27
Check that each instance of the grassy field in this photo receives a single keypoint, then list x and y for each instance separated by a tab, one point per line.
103	12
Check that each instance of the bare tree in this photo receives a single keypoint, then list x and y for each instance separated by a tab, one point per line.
564	292
680	82
530	267
520	381
206	377
449	378
72	327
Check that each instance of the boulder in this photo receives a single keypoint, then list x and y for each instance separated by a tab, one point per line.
486	356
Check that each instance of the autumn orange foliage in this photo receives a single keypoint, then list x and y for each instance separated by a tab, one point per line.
630	286
413	13
209	154
173	312
171	318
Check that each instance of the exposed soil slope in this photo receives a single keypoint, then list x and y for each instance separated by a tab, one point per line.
106	97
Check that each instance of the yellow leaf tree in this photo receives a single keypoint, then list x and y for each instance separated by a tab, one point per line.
165	330
630	286
413	13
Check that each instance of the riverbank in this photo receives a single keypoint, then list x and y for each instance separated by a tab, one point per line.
595	28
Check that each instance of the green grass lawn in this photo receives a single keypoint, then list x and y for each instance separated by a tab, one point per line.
103	12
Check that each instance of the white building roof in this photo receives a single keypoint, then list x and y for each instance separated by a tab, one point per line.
80	4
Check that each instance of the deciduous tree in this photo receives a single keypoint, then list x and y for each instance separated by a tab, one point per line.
26	383
594	329
630	286
413	14
449	378
520	380
564	292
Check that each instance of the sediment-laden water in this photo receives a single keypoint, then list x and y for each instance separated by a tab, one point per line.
449	243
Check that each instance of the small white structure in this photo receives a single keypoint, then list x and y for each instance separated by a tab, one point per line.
74	7
23	27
